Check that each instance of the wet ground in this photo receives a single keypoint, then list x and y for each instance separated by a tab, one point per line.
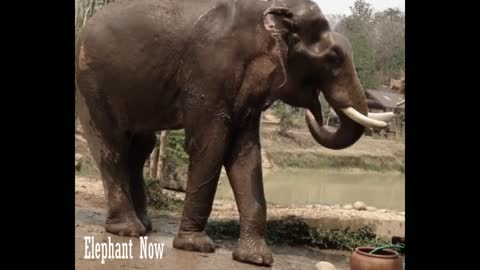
90	217
89	222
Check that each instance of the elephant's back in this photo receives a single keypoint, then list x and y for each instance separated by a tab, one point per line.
140	37
132	49
127	28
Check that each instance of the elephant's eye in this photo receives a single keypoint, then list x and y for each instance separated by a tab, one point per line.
336	61
335	57
320	25
294	39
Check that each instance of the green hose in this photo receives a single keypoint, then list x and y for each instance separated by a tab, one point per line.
387	246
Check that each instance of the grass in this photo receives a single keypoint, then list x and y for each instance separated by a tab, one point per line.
176	151
322	161
298	233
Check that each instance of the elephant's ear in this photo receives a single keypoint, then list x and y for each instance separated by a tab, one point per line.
277	20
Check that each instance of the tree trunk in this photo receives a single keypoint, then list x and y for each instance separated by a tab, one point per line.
162	156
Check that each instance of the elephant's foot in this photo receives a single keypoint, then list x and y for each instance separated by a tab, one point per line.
194	241
146	221
253	251
132	227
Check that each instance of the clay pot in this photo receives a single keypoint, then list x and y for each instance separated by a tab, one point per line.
386	259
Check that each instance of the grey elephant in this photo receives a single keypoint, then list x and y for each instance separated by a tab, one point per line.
210	67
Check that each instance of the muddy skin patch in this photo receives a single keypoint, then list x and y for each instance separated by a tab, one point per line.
83	59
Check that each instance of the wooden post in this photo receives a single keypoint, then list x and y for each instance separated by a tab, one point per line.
395	124
153	163
162	156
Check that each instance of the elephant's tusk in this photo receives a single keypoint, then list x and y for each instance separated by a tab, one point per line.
386	117
362	119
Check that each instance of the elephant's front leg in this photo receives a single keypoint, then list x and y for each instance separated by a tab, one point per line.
206	145
244	169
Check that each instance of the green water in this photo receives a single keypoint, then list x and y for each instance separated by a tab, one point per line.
309	186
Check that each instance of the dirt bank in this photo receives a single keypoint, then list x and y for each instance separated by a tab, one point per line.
298	149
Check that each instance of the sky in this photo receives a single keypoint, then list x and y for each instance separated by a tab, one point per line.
342	6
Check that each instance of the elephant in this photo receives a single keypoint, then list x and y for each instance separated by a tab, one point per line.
210	67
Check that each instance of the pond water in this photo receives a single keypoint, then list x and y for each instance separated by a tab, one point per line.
311	186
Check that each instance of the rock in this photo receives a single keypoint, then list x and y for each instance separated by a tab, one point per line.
271	118
348	207
174	184
325	266
175	178
359	205
371	208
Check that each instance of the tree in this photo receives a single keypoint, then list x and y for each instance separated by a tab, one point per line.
357	28
390	43
287	115
84	9
378	42
362	11
334	20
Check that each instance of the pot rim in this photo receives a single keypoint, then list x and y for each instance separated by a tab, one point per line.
360	251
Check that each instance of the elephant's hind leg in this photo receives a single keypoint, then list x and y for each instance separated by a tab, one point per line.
112	159
109	146
142	145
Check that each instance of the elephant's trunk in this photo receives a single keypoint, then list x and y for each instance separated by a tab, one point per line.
347	134
352	111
